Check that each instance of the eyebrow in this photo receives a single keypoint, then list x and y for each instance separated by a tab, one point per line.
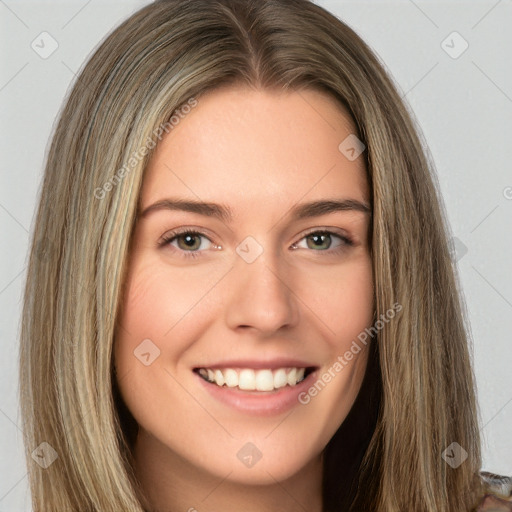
224	212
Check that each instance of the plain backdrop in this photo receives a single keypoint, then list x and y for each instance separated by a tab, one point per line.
451	62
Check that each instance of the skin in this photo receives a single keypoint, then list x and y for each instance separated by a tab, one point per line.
258	152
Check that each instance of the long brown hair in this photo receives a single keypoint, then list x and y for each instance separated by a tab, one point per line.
418	395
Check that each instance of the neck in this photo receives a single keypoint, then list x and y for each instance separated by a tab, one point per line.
172	484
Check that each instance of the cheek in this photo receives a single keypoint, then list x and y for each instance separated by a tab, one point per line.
150	338
169	308
145	315
157	300
356	300
343	300
142	307
347	308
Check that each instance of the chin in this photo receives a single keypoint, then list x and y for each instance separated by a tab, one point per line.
266	460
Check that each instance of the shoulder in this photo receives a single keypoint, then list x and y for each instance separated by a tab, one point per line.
498	493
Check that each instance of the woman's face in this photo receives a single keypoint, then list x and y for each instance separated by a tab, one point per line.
264	289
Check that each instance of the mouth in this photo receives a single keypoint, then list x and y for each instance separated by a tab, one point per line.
249	379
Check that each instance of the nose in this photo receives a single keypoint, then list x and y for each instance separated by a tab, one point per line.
261	296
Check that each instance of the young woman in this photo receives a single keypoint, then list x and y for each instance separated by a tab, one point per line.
240	294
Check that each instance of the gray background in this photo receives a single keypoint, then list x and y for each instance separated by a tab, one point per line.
463	106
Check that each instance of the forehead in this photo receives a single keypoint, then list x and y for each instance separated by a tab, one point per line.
257	148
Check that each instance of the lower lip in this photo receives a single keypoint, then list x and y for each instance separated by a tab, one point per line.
259	403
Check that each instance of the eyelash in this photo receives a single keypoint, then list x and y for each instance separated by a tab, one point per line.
170	237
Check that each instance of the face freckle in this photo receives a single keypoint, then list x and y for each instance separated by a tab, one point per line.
255	304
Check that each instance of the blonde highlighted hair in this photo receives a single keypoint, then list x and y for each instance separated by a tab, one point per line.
419	392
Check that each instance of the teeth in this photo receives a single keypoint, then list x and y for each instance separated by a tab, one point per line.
292	376
264	380
231	378
254	380
219	378
280	378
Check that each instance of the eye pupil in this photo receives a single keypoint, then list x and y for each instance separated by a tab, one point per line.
318	239
190	241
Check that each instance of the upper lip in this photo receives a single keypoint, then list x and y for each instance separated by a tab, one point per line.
259	364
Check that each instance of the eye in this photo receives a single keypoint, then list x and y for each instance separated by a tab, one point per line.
190	243
187	241
323	241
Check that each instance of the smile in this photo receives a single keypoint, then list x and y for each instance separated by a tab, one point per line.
248	379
